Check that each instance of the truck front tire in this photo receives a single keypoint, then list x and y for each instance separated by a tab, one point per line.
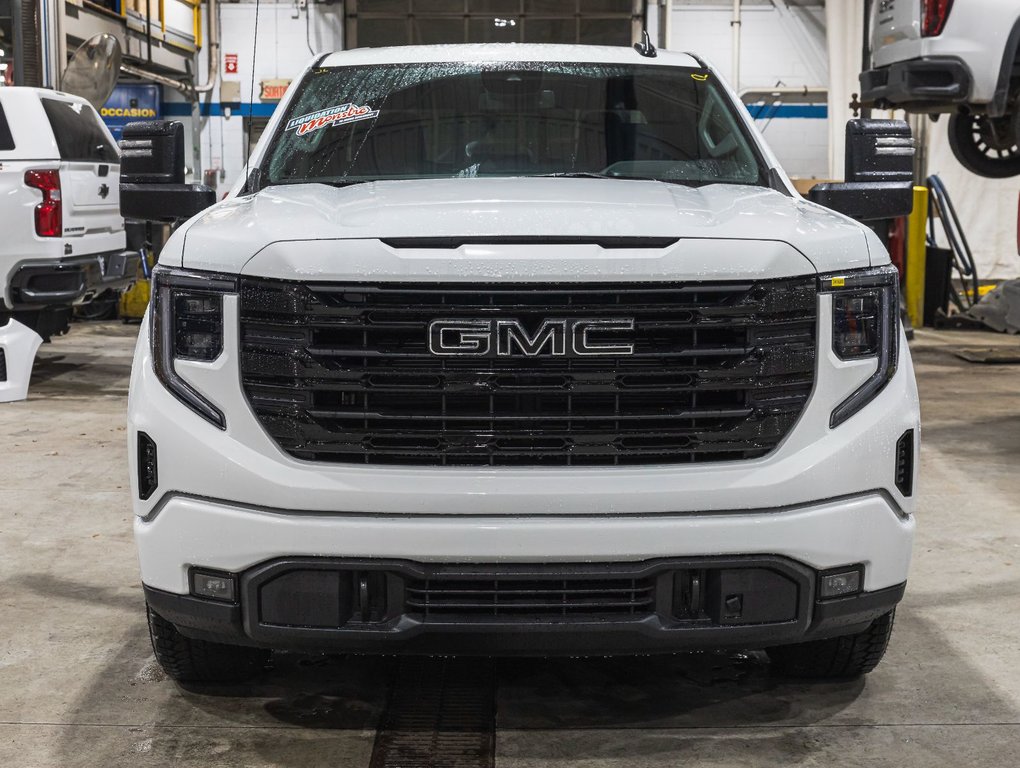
199	661
834	658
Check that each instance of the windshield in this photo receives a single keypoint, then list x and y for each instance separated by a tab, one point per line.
370	123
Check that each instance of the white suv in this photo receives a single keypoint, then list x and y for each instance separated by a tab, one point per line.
520	349
63	235
961	57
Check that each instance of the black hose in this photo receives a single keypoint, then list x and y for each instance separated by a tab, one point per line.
940	203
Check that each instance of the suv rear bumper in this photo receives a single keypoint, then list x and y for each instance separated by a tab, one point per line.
778	598
71	280
927	84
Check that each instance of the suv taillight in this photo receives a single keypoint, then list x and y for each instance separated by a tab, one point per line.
933	16
48	215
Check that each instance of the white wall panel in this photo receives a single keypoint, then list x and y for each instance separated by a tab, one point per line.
780	45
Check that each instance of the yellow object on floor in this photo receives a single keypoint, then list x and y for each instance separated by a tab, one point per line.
134	300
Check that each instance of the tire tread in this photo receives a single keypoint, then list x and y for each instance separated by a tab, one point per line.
199	661
837	657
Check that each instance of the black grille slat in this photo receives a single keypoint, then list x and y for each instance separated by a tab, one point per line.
575	417
542	596
342	373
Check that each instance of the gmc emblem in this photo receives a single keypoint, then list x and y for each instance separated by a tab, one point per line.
555	336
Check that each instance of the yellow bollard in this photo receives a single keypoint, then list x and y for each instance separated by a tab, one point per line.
916	257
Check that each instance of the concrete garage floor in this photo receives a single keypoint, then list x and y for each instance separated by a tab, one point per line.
78	686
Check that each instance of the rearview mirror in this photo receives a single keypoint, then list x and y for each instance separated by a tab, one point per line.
152	174
879	172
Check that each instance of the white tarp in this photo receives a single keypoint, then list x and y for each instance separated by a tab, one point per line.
987	208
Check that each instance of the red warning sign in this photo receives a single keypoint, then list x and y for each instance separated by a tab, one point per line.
230	63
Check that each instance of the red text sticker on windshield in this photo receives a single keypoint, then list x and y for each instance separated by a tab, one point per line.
339	115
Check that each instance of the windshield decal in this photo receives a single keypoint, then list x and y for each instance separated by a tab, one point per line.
338	115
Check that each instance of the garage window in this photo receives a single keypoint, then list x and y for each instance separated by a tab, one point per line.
79	135
373	23
6	140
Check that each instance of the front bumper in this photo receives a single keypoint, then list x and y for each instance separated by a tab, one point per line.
185	531
344	606
927	84
71	280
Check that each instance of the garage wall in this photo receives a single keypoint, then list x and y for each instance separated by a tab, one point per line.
285	46
782	44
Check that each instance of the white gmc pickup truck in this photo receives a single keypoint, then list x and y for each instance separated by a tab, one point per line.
520	350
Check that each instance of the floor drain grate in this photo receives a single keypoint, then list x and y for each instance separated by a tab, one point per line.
440	714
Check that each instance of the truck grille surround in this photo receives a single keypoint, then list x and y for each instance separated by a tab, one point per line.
343	373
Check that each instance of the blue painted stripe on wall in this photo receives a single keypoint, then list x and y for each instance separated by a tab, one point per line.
767	111
758	111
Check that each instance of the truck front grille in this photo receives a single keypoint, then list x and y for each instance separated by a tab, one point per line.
343	373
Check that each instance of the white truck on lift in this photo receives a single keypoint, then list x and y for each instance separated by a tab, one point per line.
63	236
959	57
520	350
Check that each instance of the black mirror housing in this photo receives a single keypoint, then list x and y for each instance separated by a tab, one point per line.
152	174
879	172
879	151
866	201
152	153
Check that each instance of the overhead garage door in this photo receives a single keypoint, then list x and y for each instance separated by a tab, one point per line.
372	23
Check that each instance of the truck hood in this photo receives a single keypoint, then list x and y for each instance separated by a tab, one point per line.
300	219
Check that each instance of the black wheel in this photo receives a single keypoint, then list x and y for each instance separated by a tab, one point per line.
199	661
987	146
836	657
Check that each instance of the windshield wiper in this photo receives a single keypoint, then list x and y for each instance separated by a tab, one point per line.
336	183
593	175
573	175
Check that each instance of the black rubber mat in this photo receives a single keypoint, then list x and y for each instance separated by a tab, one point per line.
440	713
990	355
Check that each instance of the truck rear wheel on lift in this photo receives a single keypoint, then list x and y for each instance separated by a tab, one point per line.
987	146
188	660
836	657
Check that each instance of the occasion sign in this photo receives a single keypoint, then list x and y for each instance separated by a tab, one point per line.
130	103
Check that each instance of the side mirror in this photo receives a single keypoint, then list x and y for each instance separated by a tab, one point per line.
879	172
152	184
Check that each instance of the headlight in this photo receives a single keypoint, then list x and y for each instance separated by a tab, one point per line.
865	324
187	324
